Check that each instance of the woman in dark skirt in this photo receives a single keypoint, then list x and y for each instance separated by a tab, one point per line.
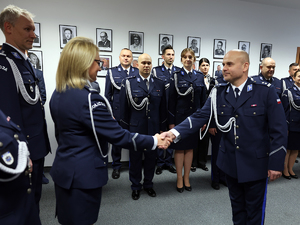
187	94
83	127
291	104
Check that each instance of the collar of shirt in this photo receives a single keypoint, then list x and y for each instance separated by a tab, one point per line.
187	72
297	87
239	87
126	69
21	53
148	78
168	67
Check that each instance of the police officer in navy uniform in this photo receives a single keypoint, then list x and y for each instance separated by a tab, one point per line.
164	72
288	82
248	113
267	68
17	205
143	110
114	78
19	84
218	72
188	93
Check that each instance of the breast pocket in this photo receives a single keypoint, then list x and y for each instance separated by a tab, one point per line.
118	81
137	96
156	93
255	111
29	82
255	117
224	110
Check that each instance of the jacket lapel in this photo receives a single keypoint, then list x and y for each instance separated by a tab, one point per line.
245	95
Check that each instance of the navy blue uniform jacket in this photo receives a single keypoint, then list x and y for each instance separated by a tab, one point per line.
274	81
287	83
30	118
113	94
261	130
78	162
155	119
292	115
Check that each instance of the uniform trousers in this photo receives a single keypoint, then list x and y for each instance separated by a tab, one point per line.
217	175
116	153
37	176
248	201
164	158
136	167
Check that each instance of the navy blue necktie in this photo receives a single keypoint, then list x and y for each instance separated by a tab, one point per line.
126	71
236	93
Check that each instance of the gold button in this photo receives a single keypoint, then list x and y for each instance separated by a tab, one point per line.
237	137
104	163
16	137
26	172
237	126
191	107
18	126
254	113
29	190
222	113
149	117
145	149
237	147
1	144
236	116
28	136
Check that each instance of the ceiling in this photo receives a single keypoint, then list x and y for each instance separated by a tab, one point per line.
292	4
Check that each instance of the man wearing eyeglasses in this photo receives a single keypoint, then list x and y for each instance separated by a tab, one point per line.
104	40
114	78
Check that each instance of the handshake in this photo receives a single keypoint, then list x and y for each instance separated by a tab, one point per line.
164	139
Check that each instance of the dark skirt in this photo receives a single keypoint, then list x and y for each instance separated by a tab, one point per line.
77	206
293	140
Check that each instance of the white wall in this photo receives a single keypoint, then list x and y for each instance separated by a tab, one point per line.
232	20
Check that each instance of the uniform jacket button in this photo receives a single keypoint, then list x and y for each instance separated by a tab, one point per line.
28	190
237	147
16	137
1	144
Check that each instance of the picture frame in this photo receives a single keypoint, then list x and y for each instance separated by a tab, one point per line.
134	62
66	33
37	40
215	65
194	43
35	57
164	41
265	50
105	65
219	48
196	65
136	42
245	46
160	61
104	39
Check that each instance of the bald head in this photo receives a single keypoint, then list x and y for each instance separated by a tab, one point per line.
235	67
267	67
145	65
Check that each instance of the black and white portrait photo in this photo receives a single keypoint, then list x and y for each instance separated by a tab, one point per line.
244	45
105	64
104	39
265	51
37	32
134	62
194	44
217	69
160	61
219	48
36	59
66	33
164	41
136	41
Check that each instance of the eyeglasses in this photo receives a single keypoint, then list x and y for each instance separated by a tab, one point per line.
99	62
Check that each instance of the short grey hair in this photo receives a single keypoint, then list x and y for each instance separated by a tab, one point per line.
11	14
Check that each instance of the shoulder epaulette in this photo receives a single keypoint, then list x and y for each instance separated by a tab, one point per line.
221	85
158	78
263	83
2	54
130	77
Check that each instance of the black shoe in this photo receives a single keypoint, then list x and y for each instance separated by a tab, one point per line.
135	194
171	169
223	182
188	188
286	177
193	169
45	180
215	185
180	190
296	161
115	174
293	176
203	166
150	192
159	170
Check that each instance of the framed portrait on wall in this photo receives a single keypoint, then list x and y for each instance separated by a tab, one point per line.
217	69
136	41
105	64
164	41
219	48
265	50
194	44
104	39
244	45
196	65
37	32
160	61
134	62
66	33
36	59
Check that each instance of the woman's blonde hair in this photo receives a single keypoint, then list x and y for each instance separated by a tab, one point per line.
75	61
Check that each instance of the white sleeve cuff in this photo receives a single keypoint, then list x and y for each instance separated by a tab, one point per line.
177	135
155	143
